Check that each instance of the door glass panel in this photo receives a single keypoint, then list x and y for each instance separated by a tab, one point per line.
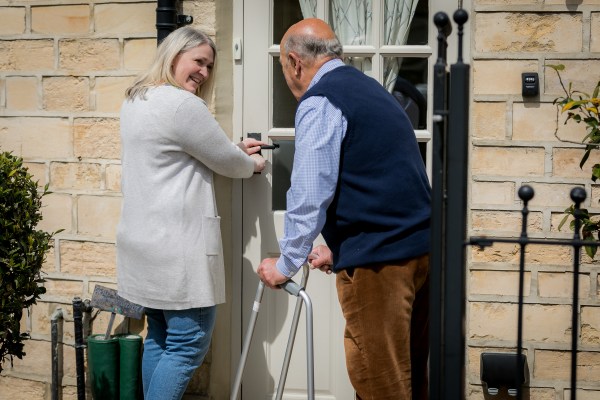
285	14
284	103
409	86
283	159
351	20
401	18
419	27
423	151
363	64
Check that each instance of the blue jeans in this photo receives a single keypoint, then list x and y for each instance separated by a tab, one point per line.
175	346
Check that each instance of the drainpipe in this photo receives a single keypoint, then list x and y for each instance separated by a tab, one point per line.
54	318
168	18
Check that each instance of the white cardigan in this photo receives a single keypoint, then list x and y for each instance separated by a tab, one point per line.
169	250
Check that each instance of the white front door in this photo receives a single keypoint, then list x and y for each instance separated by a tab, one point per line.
267	107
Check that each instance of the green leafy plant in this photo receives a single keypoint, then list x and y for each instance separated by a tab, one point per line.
22	251
582	107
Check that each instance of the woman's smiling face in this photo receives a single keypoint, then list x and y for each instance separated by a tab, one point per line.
193	67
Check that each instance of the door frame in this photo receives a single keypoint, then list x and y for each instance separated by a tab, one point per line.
237	330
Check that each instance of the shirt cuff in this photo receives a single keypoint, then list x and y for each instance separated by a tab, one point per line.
286	267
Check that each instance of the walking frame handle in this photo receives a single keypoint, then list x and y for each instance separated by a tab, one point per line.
291	287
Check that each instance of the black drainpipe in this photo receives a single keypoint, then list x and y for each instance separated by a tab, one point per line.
168	18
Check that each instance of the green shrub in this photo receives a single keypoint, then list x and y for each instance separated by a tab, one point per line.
22	251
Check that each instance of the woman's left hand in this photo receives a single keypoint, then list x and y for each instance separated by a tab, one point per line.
250	145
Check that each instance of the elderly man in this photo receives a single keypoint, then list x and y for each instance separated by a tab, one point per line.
358	178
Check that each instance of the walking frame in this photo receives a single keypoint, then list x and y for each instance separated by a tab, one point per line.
293	289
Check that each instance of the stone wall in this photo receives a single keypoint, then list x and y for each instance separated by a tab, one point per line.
64	66
518	141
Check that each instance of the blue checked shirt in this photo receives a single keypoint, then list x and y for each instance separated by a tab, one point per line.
320	129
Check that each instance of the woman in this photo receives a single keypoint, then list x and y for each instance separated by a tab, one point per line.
169	250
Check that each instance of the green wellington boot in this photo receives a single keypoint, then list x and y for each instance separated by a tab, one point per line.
130	366
103	360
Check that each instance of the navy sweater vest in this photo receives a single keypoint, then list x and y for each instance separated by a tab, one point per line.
381	209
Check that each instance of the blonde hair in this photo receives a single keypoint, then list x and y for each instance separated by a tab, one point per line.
161	71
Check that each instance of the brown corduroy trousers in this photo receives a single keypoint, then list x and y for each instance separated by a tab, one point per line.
386	338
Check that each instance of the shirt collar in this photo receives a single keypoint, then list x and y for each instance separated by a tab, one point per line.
325	68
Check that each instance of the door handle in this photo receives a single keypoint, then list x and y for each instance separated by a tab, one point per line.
258	136
269	146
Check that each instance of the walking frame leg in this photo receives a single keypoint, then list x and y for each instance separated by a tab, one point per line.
247	340
292	288
292	337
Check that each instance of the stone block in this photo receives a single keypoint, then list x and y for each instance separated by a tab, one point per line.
82	56
583	394
508	161
551	194
49	265
57	209
595	196
41	318
63	289
139	53
66	93
553	284
97	138
110	92
22	93
13	20
123	18
590	325
33	137
507	221
489	120
113	178
17	55
18	388
497	253
509	253
528	32
38	359
486	73
493	193
501	283
79	176
541	323
556	366
98	215
565	163
537	122
38	171
555	221
100	323
87	258
595	33
61	19
204	13
549	255
581	74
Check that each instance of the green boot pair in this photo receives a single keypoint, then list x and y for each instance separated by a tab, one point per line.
115	367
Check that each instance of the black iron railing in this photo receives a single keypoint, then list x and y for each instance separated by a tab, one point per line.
449	239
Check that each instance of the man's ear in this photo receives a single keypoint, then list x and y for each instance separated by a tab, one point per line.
296	62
